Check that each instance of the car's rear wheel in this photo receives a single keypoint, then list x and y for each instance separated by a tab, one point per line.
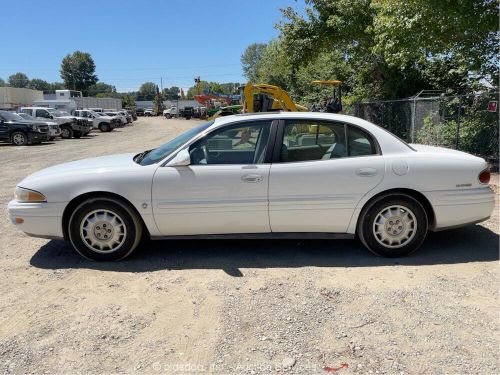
104	229
19	139
66	132
393	225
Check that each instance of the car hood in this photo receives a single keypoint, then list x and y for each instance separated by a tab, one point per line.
99	165
26	122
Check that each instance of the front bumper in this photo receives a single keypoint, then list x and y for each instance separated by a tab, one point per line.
35	137
37	219
54	131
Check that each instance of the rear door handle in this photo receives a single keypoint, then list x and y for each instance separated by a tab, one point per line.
252	177
366	172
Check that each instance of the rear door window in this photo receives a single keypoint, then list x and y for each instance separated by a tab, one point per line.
305	140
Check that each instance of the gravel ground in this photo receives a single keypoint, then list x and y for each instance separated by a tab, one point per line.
240	307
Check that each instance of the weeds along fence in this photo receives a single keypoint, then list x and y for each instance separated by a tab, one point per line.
465	122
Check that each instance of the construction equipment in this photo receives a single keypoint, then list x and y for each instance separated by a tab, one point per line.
266	98
333	104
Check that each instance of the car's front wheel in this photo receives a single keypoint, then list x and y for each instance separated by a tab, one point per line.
104	229
393	225
19	139
66	132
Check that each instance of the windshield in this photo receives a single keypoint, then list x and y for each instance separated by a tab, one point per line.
10	116
63	113
27	117
163	151
55	112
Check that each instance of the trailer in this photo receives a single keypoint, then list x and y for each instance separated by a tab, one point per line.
13	97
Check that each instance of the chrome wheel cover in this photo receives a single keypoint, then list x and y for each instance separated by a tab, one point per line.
65	132
394	226
18	139
103	231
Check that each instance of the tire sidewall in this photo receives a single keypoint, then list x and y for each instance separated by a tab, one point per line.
365	230
19	144
66	132
132	224
104	127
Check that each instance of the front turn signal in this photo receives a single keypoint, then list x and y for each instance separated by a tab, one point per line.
25	195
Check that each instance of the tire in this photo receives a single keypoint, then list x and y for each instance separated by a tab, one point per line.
66	132
104	127
168	116
77	134
51	138
19	139
126	230
393	225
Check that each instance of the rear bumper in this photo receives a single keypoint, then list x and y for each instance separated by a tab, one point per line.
455	208
38	219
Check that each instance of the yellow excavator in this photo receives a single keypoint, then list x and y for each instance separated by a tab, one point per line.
266	98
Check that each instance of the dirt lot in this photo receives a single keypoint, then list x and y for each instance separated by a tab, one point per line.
249	307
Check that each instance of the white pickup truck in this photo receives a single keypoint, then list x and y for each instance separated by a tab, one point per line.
98	120
71	126
170	112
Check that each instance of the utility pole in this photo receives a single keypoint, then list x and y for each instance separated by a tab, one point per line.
197	82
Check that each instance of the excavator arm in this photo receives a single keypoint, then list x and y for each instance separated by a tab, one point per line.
281	98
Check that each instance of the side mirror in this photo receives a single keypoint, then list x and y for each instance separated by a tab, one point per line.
182	159
51	117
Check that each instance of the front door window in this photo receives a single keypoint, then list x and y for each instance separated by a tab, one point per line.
244	143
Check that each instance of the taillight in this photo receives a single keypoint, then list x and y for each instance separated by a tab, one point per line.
484	176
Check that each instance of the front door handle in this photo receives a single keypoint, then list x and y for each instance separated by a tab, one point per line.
366	172
252	177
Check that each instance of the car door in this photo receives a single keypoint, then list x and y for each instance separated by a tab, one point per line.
320	171
223	190
4	129
42	114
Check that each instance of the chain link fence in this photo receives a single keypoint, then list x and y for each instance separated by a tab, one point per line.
465	122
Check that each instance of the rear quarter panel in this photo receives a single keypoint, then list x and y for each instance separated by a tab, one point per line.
449	182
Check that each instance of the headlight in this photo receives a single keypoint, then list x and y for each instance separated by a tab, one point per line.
25	195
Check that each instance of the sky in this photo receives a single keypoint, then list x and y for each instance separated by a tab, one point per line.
132	42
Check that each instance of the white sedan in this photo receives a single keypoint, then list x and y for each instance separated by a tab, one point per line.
281	175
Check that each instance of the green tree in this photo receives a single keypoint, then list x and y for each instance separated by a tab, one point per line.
101	88
2	82
171	93
128	101
78	71
396	48
19	79
56	86
250	60
147	91
39	84
409	31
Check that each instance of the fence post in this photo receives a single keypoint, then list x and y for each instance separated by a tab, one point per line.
457	138
413	119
